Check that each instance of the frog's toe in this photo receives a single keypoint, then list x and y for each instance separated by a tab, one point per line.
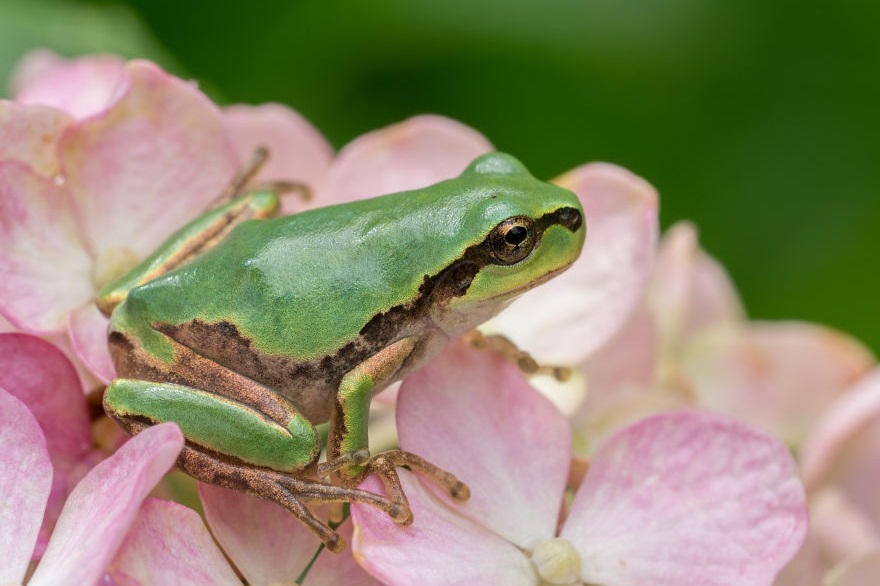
334	542
460	491
401	514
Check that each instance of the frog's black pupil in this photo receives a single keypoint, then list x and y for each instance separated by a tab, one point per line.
516	235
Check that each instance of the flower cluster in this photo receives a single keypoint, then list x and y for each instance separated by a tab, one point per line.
674	456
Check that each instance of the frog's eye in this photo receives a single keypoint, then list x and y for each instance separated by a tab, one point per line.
512	240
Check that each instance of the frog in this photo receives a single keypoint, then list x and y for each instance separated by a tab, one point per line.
248	329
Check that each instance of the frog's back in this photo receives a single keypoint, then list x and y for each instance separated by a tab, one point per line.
303	286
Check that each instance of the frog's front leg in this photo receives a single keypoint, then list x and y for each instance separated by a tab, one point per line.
348	432
241	448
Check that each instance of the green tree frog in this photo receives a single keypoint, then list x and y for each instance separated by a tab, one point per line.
247	329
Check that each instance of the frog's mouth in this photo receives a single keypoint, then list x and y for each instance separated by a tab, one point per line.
511	294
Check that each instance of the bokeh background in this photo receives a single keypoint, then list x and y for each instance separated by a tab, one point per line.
759	120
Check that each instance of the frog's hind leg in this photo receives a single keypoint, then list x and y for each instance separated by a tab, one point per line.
290	492
280	468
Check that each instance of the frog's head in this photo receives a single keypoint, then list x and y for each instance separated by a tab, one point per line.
522	233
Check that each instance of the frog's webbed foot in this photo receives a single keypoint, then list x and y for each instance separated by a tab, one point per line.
512	353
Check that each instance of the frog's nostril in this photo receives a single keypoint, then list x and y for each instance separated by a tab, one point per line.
570	218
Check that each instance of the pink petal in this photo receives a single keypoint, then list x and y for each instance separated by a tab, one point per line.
81	87
101	508
440	547
567	319
169	544
297	151
41	376
782	376
334	569
688	498
415	153
87	381
844	449
88	333
30	135
475	415
24	485
152	162
265	542
44	269
689	289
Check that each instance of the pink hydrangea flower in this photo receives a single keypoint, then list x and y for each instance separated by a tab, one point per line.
680	498
113	170
96	515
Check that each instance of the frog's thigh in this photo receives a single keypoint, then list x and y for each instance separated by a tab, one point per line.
352	408
215	423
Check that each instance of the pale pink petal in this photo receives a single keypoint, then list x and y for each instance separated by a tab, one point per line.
297	151
620	383
689	289
81	87
782	376
169	544
103	505
628	359
441	546
475	415
844	449
88	333
414	153
853	413
838	532
30	135
44	269
25	480
266	543
688	498
860	571
337	569
32	67
148	165
565	320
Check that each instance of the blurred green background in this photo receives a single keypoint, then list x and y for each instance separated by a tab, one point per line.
757	119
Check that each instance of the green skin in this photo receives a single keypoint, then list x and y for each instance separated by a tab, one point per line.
248	330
